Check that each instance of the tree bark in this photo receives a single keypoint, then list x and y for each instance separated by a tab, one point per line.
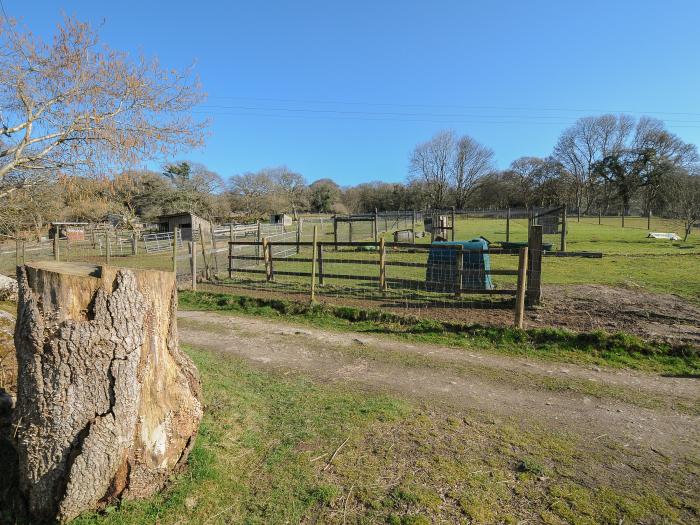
108	405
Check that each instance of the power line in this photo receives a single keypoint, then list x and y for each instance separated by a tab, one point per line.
402	114
396	119
453	106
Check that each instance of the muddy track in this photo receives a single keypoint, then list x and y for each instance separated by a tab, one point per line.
638	410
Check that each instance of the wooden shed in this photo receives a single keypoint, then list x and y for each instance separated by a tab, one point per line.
281	218
186	222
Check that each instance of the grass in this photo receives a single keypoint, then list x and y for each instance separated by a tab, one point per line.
264	447
598	348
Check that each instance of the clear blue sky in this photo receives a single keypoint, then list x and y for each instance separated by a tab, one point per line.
346	89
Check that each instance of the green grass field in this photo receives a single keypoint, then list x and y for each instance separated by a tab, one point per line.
263	456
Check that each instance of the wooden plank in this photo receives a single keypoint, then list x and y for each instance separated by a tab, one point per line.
522	285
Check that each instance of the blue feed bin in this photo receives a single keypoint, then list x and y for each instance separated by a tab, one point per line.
442	260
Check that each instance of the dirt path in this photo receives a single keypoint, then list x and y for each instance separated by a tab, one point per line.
636	409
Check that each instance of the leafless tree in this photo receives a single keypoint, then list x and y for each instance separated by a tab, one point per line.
432	162
588	141
75	104
683	192
471	162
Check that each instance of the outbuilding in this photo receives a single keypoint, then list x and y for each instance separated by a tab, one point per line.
186	222
281	218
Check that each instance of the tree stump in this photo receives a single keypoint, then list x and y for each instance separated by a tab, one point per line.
107	403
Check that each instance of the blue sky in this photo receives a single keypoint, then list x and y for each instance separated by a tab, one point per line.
346	89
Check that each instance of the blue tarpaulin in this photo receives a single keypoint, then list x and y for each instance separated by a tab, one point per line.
442	262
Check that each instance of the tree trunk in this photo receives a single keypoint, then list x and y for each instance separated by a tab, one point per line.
108	405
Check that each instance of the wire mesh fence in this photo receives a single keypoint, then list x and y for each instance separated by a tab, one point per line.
413	265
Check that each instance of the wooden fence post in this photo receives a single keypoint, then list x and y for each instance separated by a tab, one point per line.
453	223
270	262
193	263
24	242
320	265
257	238
314	247
649	219
459	270
175	251
375	230
56	248
134	244
382	265
230	232
622	215
266	258
335	232
350	230
534	267
207	272
16	248
508	225
600	217
298	234
522	285
108	248
562	246
230	259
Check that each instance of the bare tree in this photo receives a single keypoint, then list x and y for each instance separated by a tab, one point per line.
253	191
432	162
588	141
471	162
645	161
76	104
292	188
683	193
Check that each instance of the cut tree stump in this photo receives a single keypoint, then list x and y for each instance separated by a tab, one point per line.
107	404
